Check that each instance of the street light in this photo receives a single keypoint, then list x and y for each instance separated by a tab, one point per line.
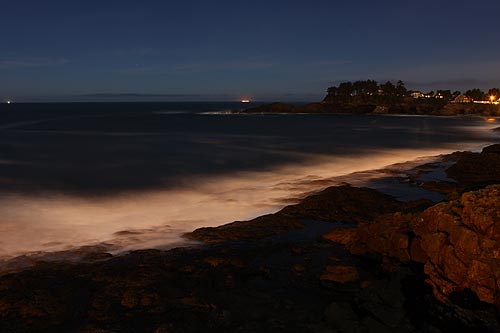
492	98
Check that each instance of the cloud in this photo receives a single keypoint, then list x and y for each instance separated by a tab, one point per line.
32	62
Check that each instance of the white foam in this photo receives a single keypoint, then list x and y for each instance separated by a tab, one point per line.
154	219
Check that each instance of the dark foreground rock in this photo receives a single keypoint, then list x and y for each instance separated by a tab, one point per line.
343	260
477	169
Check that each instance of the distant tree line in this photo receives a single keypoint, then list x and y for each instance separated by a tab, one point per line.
479	95
368	91
371	92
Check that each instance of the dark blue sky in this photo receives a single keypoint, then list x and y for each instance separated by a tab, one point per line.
227	49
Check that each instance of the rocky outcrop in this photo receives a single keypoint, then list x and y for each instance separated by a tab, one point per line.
477	169
407	105
453	109
457	241
344	204
388	235
256	229
461	239
336	204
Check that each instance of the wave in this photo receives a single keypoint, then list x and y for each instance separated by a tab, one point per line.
157	219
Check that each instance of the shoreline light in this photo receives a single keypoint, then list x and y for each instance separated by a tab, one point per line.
9	102
245	100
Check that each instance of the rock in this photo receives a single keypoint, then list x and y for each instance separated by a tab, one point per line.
340	273
342	317
342	236
493	149
298	268
387	235
256	229
460	240
217	261
384	300
344	204
477	169
273	286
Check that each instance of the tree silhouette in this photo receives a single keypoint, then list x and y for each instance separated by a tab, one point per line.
476	94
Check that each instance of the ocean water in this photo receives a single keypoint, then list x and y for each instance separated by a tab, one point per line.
127	176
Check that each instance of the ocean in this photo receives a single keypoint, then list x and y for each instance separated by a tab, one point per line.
127	176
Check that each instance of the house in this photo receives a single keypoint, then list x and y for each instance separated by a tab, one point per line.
417	94
462	99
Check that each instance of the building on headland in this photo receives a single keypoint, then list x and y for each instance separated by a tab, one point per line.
462	99
417	94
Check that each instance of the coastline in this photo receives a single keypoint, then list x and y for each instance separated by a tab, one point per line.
394	179
302	268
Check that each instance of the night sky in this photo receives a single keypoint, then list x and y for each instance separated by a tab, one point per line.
228	49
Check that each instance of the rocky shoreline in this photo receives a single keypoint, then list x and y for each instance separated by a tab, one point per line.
370	97
345	259
405	108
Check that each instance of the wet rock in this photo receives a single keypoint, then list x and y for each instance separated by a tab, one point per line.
256	229
477	169
344	204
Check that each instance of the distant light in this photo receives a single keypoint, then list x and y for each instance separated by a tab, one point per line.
245	101
491	120
492	98
8	102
